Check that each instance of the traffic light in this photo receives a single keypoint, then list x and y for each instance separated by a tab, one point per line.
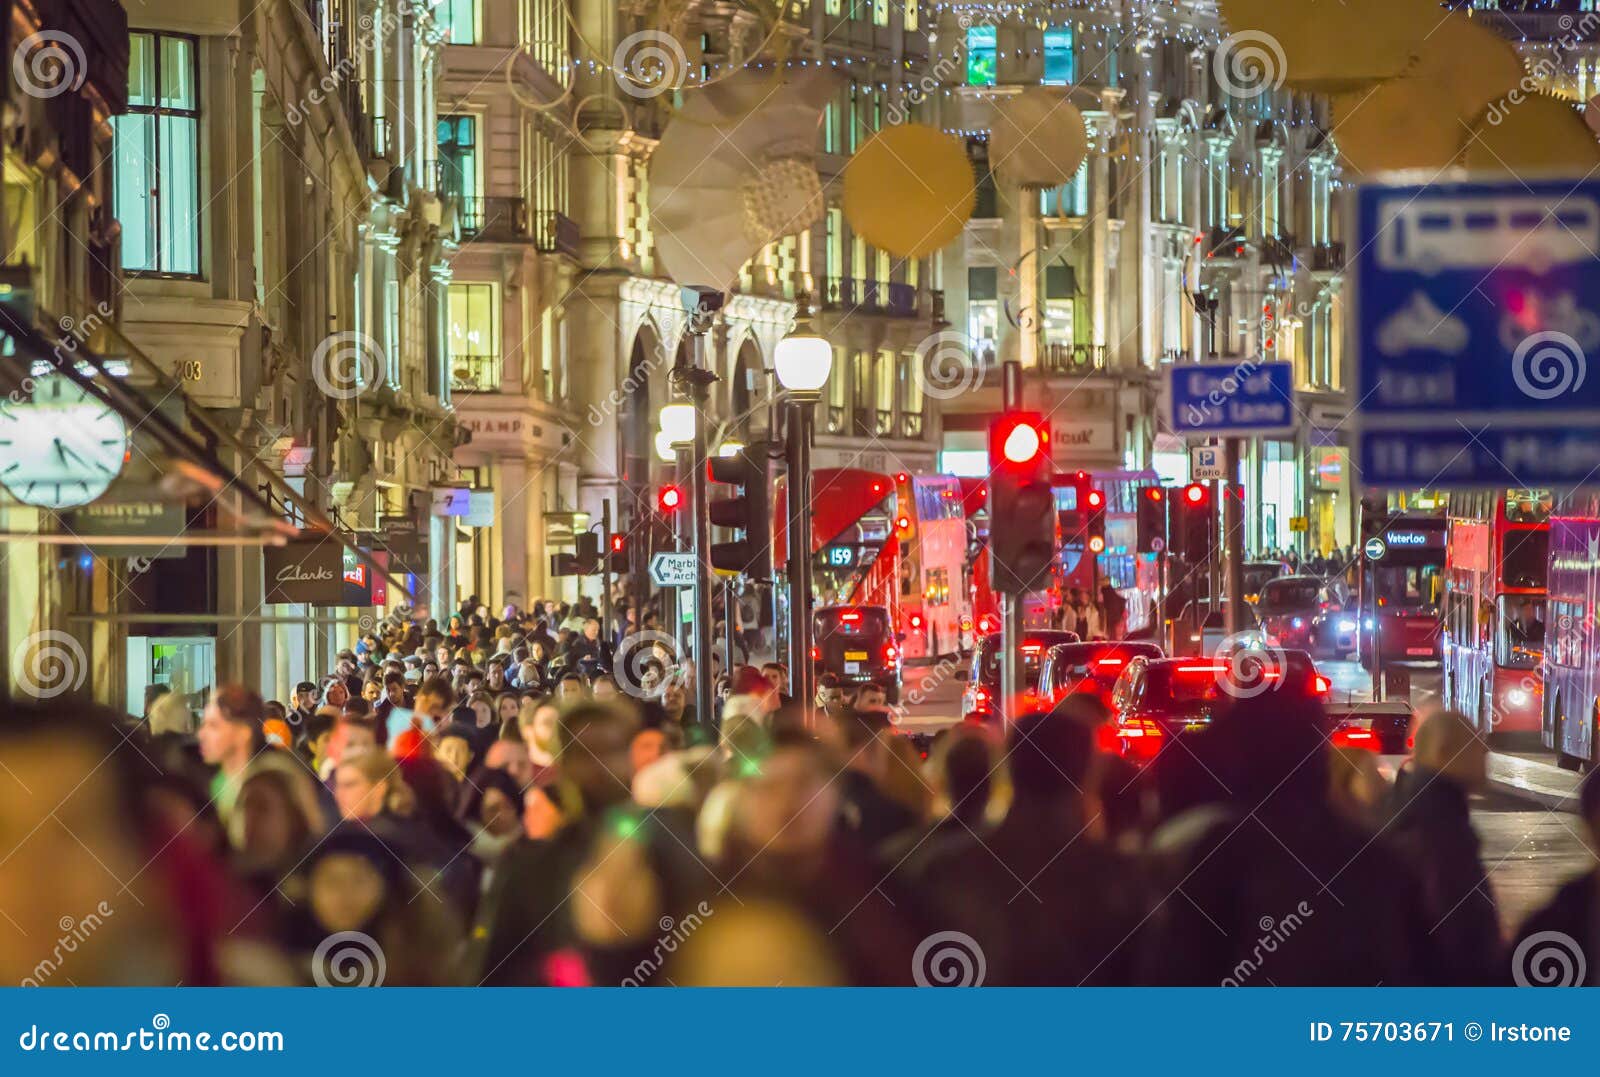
584	562
1195	532
1095	522
746	512
617	560
1022	509
1151	520
669	499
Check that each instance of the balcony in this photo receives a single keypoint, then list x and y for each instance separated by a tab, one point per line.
556	233
1223	242
494	219
474	373
1075	359
1327	258
853	294
1278	249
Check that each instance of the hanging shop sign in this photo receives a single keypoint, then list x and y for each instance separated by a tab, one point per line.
304	572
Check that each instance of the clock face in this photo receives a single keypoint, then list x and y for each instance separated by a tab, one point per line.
62	450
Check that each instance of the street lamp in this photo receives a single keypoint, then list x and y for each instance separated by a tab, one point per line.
675	444
802	362
677	424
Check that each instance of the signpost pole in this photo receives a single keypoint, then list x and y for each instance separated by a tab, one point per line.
1011	605
802	676
1233	538
607	628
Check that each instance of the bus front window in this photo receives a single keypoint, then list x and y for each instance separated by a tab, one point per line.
1414	587
1519	632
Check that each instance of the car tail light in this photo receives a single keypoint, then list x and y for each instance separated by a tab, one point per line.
1209	668
1105	737
1138	727
1109	662
1320	685
916	620
816	654
1355	738
890	652
850	616
1030	648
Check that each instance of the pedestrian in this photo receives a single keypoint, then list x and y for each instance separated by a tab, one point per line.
230	736
1432	828
1559	944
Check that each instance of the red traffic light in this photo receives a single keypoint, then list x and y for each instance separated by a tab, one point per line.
1097	499
903	523
1019	438
618	543
670	499
1153	493
902	477
1196	493
1097	544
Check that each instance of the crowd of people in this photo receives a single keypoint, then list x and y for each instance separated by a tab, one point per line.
486	801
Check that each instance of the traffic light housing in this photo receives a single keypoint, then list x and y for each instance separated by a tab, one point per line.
617	556
1094	518
1151	520
747	512
1195	532
584	562
1022	509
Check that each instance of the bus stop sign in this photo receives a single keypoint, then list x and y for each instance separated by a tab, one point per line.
1476	317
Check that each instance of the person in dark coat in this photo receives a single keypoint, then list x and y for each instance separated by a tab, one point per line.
1258	881
1559	944
1431	828
1044	899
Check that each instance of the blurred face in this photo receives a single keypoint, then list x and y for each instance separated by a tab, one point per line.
508	706
442	656
606	689
591	630
540	816
346	892
648	746
306	700
483	712
777	678
349	740
569	689
371	691
497	814
539	734
454	755
357	796
870	697
396	694
221	741
338	694
674	698
497	677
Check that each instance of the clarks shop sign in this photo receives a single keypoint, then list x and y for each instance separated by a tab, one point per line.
309	572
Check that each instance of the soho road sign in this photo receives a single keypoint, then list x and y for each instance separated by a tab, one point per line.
1231	399
672	570
1477	314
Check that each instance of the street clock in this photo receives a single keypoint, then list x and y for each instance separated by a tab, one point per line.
62	448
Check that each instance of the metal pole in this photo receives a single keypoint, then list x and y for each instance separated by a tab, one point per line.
684	465
802	674
607	627
727	620
1011	605
1233	540
705	693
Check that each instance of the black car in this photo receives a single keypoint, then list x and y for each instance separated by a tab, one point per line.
1286	609
1156	699
857	645
983	680
1070	668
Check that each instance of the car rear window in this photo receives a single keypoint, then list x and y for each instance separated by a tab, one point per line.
1289	594
860	622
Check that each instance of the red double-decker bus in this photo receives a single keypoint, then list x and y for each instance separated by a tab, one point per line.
1496	552
855	552
932	528
983	603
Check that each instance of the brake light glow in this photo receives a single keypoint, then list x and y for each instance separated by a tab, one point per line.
816	654
890	652
1203	669
850	616
1030	648
1109	662
916	620
1320	685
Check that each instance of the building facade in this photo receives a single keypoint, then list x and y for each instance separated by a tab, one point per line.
1204	223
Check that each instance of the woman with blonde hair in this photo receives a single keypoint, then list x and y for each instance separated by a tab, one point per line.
370	786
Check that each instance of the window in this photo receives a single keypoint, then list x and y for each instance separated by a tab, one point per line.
983	312
830	127
458	167
462	20
1060	66
1321	205
157	195
1071	199
912	16
474	338
880	12
980	56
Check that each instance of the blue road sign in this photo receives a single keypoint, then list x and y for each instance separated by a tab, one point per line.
1233	398
1477	309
